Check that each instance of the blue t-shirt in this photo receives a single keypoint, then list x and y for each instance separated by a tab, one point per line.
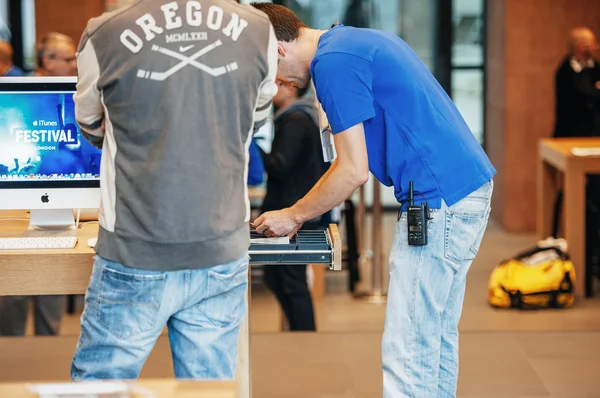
15	71
413	130
256	167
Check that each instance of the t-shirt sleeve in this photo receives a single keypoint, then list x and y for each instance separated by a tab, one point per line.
343	84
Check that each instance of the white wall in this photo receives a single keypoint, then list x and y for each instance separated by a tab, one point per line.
472	7
28	20
3	12
4	32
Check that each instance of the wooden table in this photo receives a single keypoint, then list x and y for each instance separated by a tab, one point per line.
68	271
555	158
45	272
160	388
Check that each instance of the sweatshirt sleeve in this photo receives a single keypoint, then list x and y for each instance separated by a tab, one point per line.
268	88
89	110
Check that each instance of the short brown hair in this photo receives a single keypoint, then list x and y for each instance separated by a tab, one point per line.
44	46
285	23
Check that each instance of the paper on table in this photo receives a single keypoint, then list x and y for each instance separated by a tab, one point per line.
284	240
585	151
79	389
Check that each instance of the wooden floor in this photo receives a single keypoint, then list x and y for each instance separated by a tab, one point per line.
502	353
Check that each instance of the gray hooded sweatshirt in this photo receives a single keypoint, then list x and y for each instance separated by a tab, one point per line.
172	91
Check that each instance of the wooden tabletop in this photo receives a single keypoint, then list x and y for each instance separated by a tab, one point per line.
44	271
564	145
13	223
35	272
560	169
160	388
557	152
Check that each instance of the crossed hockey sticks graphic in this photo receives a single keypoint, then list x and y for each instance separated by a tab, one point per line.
191	60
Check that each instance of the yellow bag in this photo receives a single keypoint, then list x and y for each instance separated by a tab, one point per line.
543	277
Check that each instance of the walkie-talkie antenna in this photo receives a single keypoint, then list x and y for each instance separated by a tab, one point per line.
411	194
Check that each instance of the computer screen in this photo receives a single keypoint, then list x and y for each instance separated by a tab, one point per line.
40	141
46	165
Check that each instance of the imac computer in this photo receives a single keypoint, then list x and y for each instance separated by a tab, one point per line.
46	165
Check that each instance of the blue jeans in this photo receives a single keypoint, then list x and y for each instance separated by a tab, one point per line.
126	310
425	298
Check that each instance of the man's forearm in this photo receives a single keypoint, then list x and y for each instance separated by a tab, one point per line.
336	185
323	178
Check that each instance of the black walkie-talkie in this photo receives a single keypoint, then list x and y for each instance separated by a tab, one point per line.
417	220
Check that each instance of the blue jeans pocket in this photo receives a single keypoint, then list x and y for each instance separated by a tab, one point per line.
225	293
465	225
462	236
128	303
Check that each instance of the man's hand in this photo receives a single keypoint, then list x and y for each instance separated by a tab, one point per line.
277	223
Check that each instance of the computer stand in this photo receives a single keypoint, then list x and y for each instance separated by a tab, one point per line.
55	222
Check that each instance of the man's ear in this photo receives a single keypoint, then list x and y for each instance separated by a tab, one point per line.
46	64
280	50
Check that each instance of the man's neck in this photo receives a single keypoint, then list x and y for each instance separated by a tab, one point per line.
308	42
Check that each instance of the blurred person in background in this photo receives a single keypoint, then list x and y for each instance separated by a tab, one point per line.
577	114
55	56
294	165
7	68
577	85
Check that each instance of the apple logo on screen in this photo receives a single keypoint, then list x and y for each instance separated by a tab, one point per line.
45	198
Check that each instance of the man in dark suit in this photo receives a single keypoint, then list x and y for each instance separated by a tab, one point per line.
578	88
578	115
294	164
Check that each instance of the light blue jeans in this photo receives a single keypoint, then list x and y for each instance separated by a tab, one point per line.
126	310
425	299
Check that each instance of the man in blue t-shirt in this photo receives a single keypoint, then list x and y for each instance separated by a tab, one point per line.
389	115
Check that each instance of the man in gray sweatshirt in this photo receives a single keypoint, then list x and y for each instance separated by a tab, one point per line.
172	91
